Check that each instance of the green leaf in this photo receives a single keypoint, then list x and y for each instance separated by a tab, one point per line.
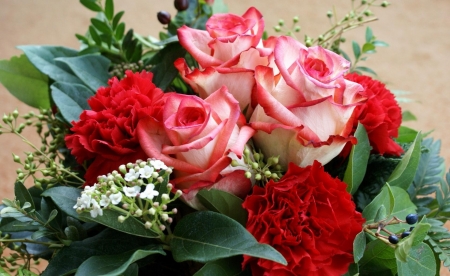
21	193
406	135
12	225
368	48
381	214
107	242
91	69
95	36
43	57
415	238
386	198
101	26
71	99
25	82
112	265
116	19
369	35
408	116
420	261
164	71
131	225
223	267
380	43
357	164
65	198
356	50
219	6
208	236
359	246
120	30
378	257
402	207
109	9
224	203
403	174
92	5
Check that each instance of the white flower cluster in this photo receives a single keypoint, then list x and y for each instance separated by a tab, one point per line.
131	187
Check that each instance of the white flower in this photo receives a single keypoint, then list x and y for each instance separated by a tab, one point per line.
131	175
146	172
149	192
96	210
131	191
84	201
89	190
158	164
105	201
116	198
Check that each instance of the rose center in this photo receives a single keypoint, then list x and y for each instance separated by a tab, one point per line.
189	116
316	68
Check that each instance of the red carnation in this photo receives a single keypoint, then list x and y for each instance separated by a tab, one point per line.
107	133
309	218
381	115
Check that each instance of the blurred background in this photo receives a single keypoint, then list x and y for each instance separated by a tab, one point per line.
417	59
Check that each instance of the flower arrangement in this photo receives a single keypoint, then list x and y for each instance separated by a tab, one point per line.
220	150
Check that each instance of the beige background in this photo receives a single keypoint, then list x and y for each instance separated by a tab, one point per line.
417	60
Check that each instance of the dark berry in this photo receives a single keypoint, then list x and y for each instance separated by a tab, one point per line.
181	5
411	228
405	234
393	239
163	17
412	218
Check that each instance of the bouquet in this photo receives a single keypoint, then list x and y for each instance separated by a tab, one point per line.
218	149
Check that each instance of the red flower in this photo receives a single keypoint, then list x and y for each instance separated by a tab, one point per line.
309	218
381	115
107	133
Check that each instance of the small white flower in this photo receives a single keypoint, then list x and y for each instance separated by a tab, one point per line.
105	201
115	198
149	192
89	190
158	164
131	191
83	202
96	210
146	172
131	175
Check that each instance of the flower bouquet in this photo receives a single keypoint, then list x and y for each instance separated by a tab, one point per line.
218	149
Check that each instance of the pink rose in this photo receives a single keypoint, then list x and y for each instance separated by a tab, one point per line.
226	36
196	137
227	53
305	112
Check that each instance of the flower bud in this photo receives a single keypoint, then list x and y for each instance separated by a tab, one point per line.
295	19
234	163
162	227
163	17
248	174
148	225
15	114
164	217
16	158
257	176
174	210
329	14
121	219
385	4
281	22
181	5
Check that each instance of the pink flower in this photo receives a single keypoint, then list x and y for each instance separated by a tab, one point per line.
305	112
226	36
227	53
195	138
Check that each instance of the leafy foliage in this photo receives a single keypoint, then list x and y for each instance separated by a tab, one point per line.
427	180
439	239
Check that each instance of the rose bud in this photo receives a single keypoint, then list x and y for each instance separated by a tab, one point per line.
181	5
163	17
